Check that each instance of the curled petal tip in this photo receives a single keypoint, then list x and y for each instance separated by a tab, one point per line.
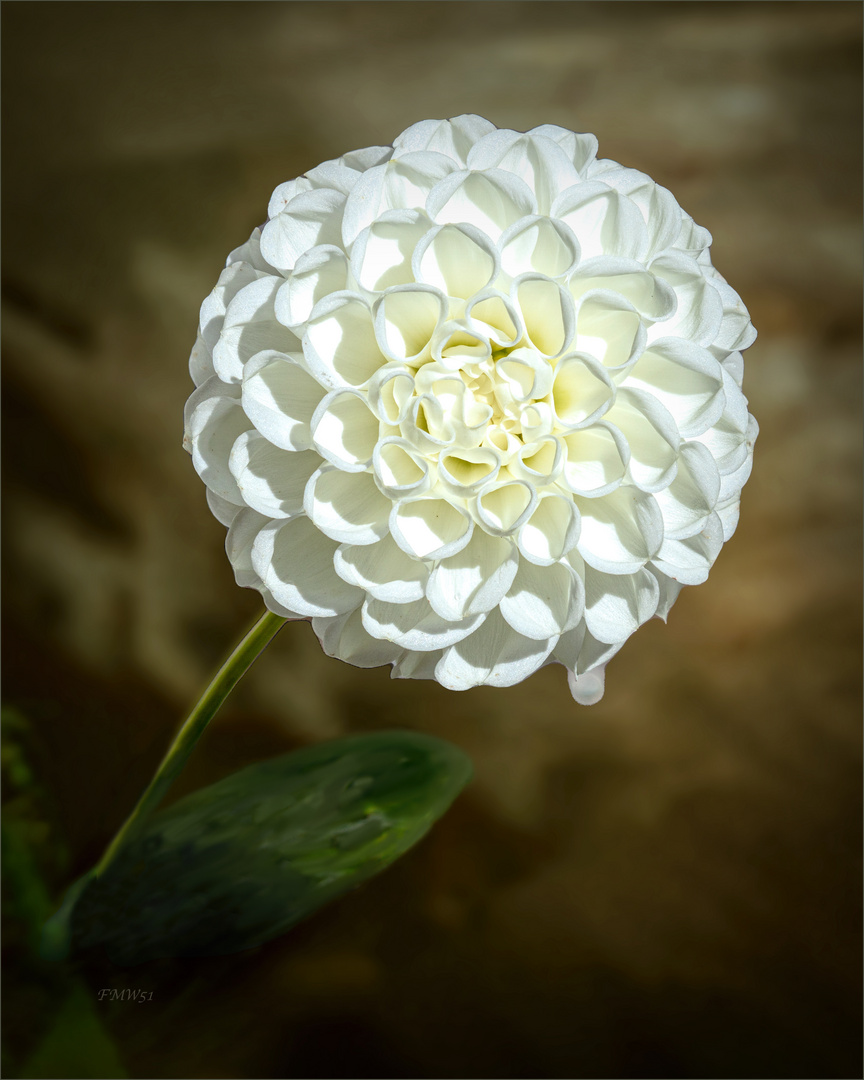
589	688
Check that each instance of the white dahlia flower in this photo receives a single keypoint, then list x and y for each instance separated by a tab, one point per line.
472	404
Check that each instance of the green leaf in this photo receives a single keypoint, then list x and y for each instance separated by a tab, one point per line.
242	861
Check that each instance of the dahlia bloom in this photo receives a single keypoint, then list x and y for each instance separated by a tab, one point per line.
472	404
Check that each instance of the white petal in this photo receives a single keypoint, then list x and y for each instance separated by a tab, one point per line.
692	495
295	562
540	245
582	390
382	253
383	570
457	344
416	665
610	329
403	183
503	441
463	472
539	462
430	528
225	512
318	272
727	446
339	344
651	296
620	531
727	438
496	317
603	221
538	161
215	420
688	561
310	218
692	239
201	362
389	392
596	460
585	659
732	482
733	363
271	481
475	579
522	376
685	379
492	200
344	430
728	516
568	647
345	638
616	605
669	592
409	179
406	318
453	137
658	206
367	158
735	410
581	149
333	174
284	193
493	655
243	266
460	260
547	313
250	253
238	546
232	279
736	331
415	626
347	507
427	426
544	601
551	531
588	689
250	326
651	436
700	310
505	506
280	397
400	470
537	421
594	655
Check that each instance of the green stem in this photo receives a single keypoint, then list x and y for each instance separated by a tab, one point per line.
226	678
55	943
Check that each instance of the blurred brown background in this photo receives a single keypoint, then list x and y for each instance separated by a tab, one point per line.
665	885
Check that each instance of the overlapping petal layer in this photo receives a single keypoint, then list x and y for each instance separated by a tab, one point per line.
473	404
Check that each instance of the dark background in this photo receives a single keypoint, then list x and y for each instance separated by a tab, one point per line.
665	885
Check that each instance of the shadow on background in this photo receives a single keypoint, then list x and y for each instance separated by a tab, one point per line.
667	884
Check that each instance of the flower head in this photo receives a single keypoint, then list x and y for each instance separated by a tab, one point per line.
472	404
